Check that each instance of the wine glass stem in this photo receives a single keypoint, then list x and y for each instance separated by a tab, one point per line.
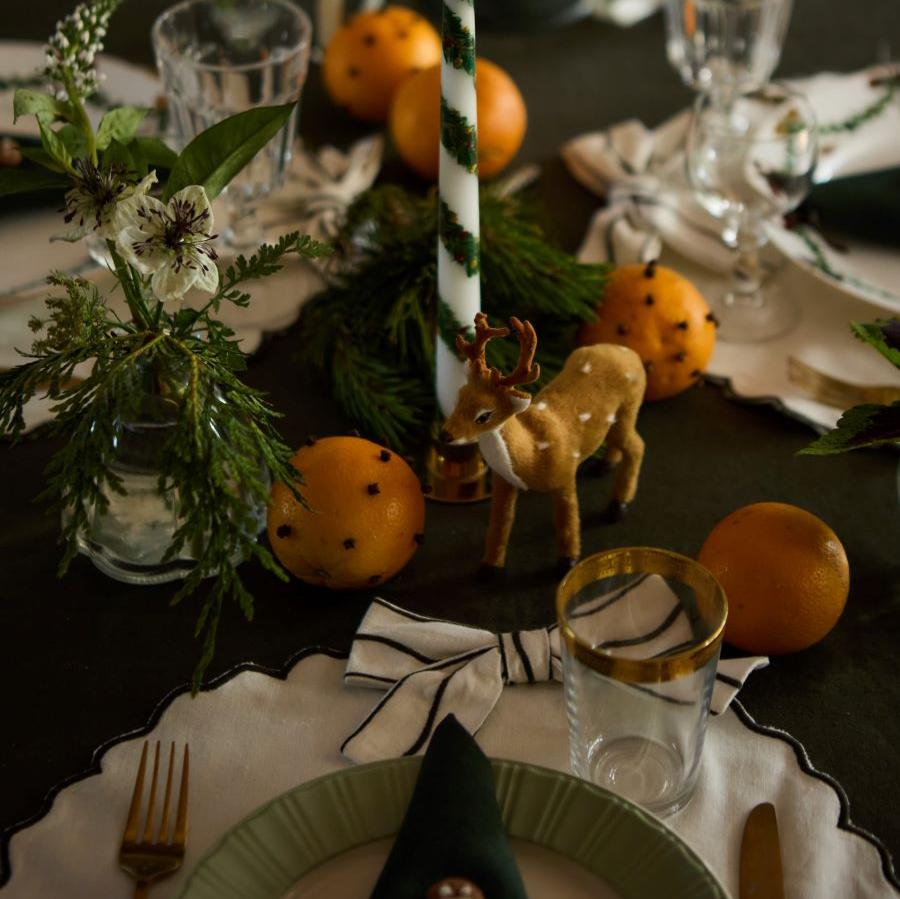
746	277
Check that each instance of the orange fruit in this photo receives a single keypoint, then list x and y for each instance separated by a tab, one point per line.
369	56
663	318
415	120
367	516
785	574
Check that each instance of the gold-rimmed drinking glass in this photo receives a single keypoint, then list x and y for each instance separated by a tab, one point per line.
641	630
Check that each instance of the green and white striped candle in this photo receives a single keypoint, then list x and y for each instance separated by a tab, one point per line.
459	283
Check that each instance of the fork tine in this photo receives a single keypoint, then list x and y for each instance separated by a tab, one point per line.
163	834
134	810
148	827
181	819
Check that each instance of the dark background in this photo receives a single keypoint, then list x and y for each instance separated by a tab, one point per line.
87	659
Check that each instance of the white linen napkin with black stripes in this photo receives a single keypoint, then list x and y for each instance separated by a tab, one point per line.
431	667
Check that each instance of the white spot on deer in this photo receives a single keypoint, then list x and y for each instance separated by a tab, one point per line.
586	368
542	444
576	454
611	418
584	416
629	376
541	406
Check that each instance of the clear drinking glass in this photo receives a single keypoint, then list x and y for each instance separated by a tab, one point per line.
749	163
725	47
641	631
220	58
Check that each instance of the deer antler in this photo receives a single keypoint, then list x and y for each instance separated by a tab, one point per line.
525	372
474	350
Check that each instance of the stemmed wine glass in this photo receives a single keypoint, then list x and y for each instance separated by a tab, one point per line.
725	48
749	162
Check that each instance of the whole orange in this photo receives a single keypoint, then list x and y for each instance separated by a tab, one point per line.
662	317
415	120
367	515
368	58
785	574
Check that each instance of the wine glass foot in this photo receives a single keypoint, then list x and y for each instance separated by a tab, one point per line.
743	322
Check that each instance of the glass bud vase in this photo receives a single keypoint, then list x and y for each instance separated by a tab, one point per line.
129	538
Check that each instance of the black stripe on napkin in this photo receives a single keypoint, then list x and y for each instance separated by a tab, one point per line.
504	670
437	666
362	674
395	644
670	619
404	612
731	681
620	594
526	662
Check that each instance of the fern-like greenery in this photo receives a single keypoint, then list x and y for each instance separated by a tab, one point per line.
180	366
371	333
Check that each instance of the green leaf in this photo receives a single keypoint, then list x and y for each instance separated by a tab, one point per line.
860	426
55	146
120	124
23	181
118	153
74	140
883	335
214	157
154	152
42	106
41	157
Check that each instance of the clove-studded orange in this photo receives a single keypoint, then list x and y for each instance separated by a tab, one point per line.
366	520
660	315
368	58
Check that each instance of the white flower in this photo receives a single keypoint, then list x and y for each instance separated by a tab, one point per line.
170	242
74	45
96	195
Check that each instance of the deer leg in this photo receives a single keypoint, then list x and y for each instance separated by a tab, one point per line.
625	437
568	526
503	512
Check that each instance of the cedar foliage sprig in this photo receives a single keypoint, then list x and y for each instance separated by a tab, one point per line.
222	446
370	334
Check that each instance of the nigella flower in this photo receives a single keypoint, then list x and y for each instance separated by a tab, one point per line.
96	192
170	242
74	46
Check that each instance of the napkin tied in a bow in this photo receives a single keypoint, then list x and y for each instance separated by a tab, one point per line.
431	668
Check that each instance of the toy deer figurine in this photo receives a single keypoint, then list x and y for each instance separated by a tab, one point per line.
538	445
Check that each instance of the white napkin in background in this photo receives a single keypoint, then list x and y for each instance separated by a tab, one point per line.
432	667
650	213
318	188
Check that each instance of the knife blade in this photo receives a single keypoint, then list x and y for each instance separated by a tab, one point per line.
761	873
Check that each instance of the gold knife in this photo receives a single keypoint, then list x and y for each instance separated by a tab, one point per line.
761	874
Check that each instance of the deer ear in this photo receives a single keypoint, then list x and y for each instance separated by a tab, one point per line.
519	401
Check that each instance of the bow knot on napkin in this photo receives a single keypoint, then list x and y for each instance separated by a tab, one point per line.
527	657
431	668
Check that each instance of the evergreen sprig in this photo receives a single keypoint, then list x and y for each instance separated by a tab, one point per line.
871	424
222	445
370	335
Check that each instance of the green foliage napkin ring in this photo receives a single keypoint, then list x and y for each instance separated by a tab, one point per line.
221	444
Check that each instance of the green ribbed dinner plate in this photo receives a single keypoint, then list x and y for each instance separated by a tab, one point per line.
273	848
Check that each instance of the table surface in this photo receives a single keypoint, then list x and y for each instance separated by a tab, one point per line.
87	659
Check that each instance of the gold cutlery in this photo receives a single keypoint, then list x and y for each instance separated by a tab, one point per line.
150	857
761	875
836	392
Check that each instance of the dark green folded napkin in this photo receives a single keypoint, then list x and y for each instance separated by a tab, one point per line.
453	826
863	206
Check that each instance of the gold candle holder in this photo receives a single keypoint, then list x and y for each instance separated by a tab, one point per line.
455	474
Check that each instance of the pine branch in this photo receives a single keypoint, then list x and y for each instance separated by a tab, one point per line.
371	335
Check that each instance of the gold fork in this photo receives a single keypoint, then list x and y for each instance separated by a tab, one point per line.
836	392
150	858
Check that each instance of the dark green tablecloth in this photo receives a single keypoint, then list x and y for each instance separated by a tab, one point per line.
87	659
